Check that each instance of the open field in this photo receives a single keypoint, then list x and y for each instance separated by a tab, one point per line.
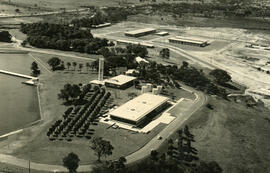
233	135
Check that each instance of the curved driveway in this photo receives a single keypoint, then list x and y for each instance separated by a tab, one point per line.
143	152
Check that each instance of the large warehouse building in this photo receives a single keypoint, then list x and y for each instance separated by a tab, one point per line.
189	41
140	32
120	81
137	110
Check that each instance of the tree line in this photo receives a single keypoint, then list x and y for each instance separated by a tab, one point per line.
110	14
62	37
228	8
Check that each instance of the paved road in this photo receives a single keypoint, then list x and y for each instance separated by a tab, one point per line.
154	144
195	105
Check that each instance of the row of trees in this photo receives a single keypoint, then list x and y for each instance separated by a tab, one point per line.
62	37
57	64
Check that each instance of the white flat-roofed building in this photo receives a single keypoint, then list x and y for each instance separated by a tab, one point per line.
138	109
162	33
120	81
140	32
189	41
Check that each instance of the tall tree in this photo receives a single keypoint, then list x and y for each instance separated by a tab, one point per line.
80	67
101	147
165	53
68	65
71	162
87	66
5	36
54	62
74	65
35	69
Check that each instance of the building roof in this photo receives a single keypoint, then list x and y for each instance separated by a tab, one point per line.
120	79
138	31
189	39
162	33
138	107
139	59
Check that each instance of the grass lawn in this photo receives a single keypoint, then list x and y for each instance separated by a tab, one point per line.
41	149
235	136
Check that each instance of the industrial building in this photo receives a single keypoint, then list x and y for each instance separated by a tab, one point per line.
148	45
120	81
137	110
140	32
189	41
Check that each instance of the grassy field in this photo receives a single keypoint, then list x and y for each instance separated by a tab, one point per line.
235	136
44	151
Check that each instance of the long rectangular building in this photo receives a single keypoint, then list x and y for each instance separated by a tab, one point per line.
140	32
189	41
138	109
148	45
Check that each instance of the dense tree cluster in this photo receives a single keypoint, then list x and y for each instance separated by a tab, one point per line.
5	36
161	74
111	14
222	7
121	57
62	37
56	64
69	91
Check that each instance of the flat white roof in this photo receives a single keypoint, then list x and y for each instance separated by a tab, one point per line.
162	33
189	39
120	79
138	107
138	31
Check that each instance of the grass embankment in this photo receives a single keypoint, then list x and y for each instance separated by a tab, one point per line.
234	135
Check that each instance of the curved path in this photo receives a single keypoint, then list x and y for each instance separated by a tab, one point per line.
143	152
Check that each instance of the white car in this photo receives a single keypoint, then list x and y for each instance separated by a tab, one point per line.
159	137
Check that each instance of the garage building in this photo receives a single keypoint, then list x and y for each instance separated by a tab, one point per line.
189	41
137	110
140	32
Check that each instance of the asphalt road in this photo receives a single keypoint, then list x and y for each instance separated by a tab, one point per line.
154	144
143	152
